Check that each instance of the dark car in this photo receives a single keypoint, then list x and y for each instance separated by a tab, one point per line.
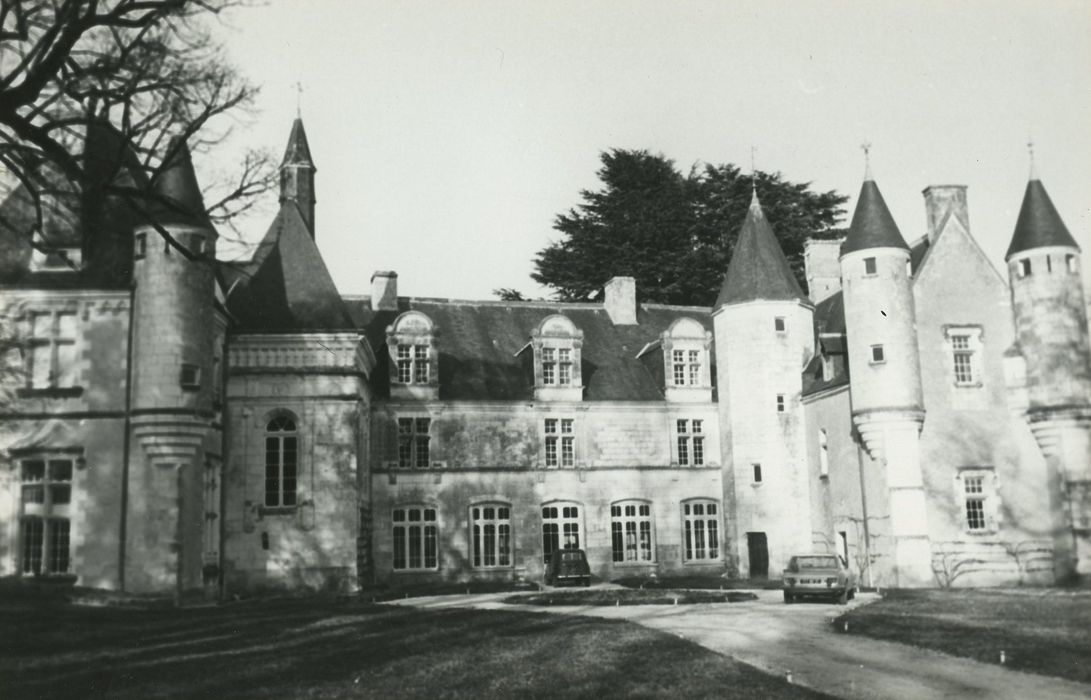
568	566
819	576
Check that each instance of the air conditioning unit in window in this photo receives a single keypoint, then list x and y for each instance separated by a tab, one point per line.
439	464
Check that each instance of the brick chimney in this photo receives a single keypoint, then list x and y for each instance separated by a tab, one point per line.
821	265
620	301
939	200
384	290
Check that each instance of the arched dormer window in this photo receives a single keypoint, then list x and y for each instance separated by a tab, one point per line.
557	346
281	461
414	358
687	370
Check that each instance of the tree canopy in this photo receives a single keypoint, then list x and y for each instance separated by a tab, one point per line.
146	70
674	232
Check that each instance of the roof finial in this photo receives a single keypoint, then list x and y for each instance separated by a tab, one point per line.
1030	150
298	99
753	178
866	147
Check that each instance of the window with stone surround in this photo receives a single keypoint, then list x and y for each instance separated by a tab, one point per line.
631	533
964	344
415	535
560	442
977	493
281	462
701	530
689	442
45	527
414	359
686	347
557	347
490	535
414	442
51	349
561	527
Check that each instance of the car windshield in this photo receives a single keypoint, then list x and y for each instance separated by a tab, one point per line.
571	556
802	563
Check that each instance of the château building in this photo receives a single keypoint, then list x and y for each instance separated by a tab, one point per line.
173	423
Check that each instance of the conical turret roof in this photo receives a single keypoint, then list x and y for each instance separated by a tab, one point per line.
1039	225
872	225
758	268
298	151
177	197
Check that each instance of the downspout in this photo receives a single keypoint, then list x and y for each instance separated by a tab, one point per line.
225	453
126	450
863	507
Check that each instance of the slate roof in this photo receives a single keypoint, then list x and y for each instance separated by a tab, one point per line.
286	287
829	328
298	151
872	225
758	268
479	346
1039	225
177	195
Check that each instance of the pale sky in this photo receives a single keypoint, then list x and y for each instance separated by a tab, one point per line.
448	135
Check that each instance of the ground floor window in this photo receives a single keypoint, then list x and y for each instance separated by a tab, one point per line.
491	535
45	545
415	538
560	528
701	525
631	531
44	527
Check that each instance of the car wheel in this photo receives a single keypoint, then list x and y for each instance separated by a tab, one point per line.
788	598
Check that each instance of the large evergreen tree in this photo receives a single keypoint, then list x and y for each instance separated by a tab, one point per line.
674	232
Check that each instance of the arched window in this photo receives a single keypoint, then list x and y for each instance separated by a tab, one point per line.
701	526
632	535
415	538
687	369
561	526
411	340
558	348
281	461
491	535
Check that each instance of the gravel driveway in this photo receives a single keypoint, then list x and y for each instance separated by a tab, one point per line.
799	639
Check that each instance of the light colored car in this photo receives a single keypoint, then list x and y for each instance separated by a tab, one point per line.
818	576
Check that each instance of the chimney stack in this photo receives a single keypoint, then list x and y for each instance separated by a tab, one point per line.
384	290
941	200
822	267
620	301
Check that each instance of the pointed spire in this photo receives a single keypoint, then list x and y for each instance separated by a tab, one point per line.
758	268
297	174
177	195
1039	225
872	225
298	151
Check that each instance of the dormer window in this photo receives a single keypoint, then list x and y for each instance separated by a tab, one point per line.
557	353
687	374
414	371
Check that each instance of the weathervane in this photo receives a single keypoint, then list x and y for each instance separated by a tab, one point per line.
299	99
866	148
1030	150
753	171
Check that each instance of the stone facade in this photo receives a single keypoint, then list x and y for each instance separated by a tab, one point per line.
192	426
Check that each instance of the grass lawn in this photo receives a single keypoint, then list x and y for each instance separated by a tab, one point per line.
626	596
324	648
1045	631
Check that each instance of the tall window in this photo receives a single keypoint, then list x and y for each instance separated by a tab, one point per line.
281	462
963	358
686	367
415	538
631	531
51	345
560	442
560	528
414	442
557	366
45	529
413	364
701	526
689	434
491	535
974	491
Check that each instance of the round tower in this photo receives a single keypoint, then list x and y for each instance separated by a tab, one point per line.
764	333
172	358
884	363
1050	316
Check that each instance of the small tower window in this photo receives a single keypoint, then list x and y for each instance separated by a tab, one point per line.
190	377
877	354
1023	270
140	246
1070	263
757	472
1049	263
869	266
780	403
778	324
